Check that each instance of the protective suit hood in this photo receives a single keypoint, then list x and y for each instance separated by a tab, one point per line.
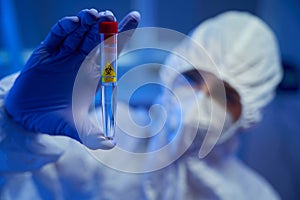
245	53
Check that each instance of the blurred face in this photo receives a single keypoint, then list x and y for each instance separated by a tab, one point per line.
203	104
209	84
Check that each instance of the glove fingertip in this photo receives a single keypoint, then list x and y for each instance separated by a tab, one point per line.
130	21
135	15
98	141
106	16
88	17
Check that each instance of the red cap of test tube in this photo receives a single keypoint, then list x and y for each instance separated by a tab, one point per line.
108	27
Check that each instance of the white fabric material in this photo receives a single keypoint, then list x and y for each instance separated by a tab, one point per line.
75	174
245	53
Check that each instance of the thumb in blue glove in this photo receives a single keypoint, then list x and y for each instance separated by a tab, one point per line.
41	97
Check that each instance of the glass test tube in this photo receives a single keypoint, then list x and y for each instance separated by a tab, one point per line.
108	64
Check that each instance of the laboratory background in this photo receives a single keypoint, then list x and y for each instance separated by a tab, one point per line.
272	147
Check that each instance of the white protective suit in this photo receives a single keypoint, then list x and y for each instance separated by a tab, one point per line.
39	166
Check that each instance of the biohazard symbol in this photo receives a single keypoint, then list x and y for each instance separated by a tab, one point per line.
108	70
108	73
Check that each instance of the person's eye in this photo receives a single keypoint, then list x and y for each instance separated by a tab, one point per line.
190	80
193	77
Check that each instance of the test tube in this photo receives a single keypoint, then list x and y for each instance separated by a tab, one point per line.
108	64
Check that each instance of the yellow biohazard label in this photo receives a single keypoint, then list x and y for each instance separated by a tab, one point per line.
108	74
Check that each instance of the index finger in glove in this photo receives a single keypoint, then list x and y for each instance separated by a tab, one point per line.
92	37
87	19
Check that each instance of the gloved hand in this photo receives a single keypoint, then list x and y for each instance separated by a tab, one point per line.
41	97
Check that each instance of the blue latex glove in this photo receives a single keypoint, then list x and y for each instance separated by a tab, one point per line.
41	97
